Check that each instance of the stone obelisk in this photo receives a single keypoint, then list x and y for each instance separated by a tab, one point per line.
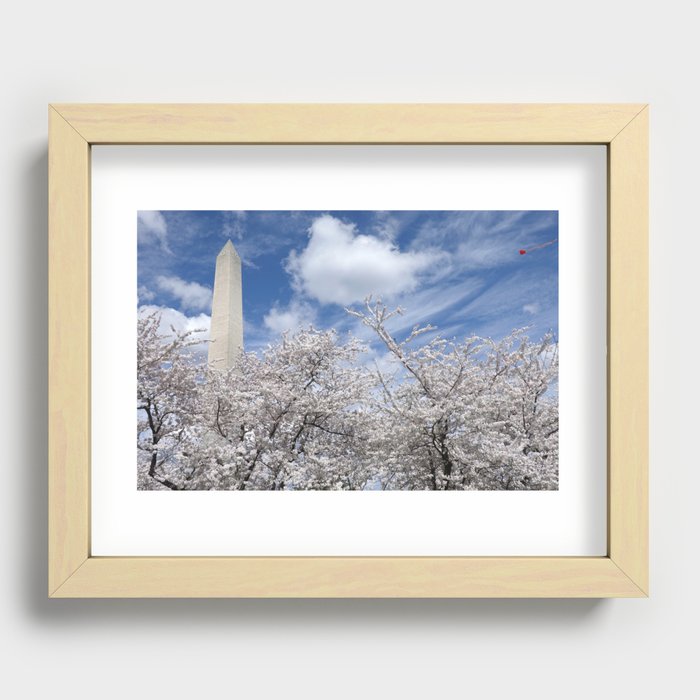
226	337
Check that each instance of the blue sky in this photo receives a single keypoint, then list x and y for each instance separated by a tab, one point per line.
460	271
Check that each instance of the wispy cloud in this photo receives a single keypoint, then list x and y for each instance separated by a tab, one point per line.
482	239
152	227
427	306
386	225
499	307
233	224
270	233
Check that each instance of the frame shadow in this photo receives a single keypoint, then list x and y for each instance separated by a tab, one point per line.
32	527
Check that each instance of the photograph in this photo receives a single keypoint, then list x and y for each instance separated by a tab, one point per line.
347	350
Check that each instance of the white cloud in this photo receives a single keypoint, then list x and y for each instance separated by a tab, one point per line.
297	315
531	308
145	294
152	226
341	266
191	295
172	319
233	224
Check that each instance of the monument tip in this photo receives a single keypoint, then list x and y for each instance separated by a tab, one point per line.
228	248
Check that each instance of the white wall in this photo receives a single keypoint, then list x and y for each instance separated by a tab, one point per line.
359	51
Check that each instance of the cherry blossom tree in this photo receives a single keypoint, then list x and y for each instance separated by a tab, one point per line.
308	413
167	390
472	415
290	419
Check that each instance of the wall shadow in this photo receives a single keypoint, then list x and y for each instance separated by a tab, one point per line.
33	260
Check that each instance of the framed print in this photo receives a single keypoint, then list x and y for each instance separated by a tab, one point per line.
375	350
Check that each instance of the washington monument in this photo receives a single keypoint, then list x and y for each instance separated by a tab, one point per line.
226	337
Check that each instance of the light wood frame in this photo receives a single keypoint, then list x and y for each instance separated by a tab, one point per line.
73	572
